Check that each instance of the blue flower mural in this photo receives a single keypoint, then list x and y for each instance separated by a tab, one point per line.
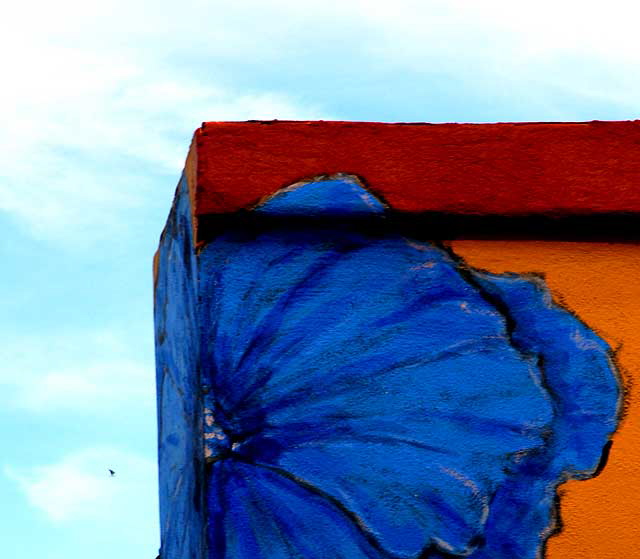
372	397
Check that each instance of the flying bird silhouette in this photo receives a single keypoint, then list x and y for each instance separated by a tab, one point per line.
111	472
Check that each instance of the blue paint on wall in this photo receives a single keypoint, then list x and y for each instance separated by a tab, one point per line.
343	197
181	463
370	397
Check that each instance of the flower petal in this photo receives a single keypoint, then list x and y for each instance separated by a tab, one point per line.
260	514
376	371
581	378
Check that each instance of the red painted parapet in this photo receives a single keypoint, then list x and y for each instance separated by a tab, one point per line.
488	169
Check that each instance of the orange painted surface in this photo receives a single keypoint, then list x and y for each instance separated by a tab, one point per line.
600	282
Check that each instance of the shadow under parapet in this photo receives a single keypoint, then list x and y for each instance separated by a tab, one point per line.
614	228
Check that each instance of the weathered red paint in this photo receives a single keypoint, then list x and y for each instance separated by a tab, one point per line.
486	169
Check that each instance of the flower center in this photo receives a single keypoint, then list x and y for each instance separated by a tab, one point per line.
217	443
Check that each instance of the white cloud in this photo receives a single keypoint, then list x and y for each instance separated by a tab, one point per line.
77	163
89	122
84	372
581	47
100	98
79	488
570	25
89	388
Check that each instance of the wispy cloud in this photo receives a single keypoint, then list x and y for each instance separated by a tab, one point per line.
81	163
102	100
88	387
82	372
89	123
79	488
535	56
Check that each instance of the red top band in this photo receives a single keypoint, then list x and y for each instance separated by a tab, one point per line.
485	169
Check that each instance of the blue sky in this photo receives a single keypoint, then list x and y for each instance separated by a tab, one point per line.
97	108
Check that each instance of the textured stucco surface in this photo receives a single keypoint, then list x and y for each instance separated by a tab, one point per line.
178	390
499	169
597	281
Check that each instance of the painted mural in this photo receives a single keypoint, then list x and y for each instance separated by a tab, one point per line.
333	382
369	395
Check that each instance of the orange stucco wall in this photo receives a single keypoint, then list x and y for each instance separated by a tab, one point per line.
601	283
